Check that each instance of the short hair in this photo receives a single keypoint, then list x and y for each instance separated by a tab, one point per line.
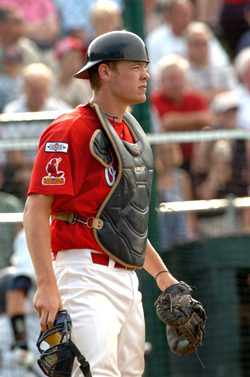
241	61
172	60
198	27
94	77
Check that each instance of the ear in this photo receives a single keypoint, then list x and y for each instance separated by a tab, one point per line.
104	72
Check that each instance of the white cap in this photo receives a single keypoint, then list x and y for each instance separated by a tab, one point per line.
224	101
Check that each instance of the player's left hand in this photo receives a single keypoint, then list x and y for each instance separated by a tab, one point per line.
185	318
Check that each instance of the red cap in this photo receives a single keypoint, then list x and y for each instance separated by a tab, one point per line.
67	44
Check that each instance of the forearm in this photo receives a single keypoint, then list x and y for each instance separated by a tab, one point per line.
190	121
47	301
37	230
154	264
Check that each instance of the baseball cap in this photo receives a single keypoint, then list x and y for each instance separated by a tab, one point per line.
224	101
65	45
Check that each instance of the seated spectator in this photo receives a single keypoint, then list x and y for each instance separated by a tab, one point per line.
8	204
221	168
169	38
244	40
178	107
36	97
11	80
209	78
19	322
75	18
242	90
105	16
12	33
41	20
173	184
69	55
233	22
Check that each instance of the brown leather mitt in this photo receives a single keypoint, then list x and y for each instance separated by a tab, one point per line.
185	318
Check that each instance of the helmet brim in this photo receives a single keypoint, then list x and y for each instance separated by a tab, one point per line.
84	73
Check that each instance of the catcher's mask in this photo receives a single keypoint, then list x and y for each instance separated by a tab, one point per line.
115	45
57	360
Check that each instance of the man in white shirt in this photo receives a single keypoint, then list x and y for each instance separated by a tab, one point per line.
170	37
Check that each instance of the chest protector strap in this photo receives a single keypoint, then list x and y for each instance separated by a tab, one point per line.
125	210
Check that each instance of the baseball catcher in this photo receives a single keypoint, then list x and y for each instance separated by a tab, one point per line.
185	318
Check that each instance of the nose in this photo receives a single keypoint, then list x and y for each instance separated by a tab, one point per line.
146	75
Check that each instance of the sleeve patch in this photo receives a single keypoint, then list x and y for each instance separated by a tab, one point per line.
55	176
56	147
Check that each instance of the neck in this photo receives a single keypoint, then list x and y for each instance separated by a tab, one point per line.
201	65
111	108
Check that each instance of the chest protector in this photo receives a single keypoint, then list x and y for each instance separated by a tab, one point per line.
125	211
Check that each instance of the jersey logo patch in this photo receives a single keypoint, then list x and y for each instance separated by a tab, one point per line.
56	147
54	177
110	175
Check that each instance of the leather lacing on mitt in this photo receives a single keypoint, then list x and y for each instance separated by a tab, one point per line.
185	319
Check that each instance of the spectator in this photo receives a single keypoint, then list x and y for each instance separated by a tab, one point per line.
36	97
244	40
152	15
242	91
105	16
208	11
41	20
233	22
19	323
11	81
209	78
8	204
170	36
223	170
173	185
75	18
179	108
12	32
69	55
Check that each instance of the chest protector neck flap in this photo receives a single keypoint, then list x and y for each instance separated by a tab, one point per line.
125	210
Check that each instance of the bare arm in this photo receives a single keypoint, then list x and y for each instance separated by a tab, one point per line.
154	264
47	300
191	121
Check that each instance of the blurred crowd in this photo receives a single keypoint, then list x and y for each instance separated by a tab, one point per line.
199	53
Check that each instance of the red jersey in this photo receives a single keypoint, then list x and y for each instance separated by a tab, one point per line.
192	101
65	167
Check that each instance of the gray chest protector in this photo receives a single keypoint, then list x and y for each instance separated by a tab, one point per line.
125	211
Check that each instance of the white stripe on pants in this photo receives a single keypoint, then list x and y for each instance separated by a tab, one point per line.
107	315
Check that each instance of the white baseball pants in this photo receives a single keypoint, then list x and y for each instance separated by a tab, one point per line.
106	311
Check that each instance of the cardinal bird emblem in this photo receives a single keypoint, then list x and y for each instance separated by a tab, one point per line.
55	176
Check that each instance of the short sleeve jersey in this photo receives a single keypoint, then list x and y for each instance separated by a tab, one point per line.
65	167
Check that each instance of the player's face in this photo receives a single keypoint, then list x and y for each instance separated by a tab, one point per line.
129	84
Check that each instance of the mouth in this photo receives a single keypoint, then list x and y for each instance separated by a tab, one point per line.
143	88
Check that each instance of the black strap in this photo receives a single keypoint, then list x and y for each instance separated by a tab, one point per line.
84	364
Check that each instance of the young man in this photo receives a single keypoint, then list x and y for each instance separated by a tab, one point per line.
93	174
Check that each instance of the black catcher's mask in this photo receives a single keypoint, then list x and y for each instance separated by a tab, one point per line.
57	360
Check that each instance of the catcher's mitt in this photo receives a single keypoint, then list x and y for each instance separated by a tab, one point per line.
185	318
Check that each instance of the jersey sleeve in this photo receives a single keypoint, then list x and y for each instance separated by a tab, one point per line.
58	161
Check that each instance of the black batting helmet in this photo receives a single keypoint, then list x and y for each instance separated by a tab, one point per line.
115	45
57	360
